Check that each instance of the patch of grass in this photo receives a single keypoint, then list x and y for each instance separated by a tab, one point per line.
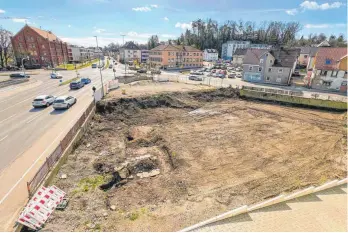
68	81
97	227
78	66
89	183
107	64
323	179
133	216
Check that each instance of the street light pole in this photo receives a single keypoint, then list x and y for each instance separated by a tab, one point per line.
101	76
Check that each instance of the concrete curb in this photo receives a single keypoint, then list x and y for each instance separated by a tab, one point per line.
278	199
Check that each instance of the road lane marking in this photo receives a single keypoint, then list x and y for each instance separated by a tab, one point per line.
8	118
36	116
28	170
3	138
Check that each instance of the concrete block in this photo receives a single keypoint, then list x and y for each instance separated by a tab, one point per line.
228	214
300	193
269	202
326	186
344	181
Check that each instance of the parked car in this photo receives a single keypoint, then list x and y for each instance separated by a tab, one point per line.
43	101
56	76
100	66
195	78
213	70
86	80
231	75
221	75
238	69
296	73
110	66
19	75
76	85
141	71
239	75
12	68
94	65
64	102
155	72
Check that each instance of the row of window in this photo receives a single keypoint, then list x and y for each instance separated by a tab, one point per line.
280	70
155	59
185	60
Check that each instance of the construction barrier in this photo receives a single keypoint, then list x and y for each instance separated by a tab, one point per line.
52	159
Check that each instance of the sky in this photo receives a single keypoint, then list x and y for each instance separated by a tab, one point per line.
78	21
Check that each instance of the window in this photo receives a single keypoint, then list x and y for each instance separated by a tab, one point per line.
334	73
327	62
268	78
260	69
261	61
270	61
280	71
269	69
250	68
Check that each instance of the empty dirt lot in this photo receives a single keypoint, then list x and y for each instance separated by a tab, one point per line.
167	161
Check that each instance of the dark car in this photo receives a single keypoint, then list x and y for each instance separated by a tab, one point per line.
19	75
86	80
296	73
141	71
76	85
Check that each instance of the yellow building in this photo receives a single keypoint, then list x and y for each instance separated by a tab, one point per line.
343	63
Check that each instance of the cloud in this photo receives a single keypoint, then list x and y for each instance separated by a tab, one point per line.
183	25
142	9
312	5
166	18
168	36
20	20
321	26
292	11
2	11
99	30
154	6
102	41
133	34
69	26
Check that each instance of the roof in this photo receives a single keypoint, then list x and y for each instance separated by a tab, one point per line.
285	57
210	50
240	52
313	51
41	97
175	48
45	34
252	56
130	45
324	43
305	50
328	57
62	97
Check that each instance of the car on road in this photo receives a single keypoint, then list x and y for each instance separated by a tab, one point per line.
155	72
100	66
76	85
195	78
86	81
110	66
64	102
56	76
19	75
43	101
141	71
94	65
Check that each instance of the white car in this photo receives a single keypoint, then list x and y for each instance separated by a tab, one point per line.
43	101
56	76
64	102
239	75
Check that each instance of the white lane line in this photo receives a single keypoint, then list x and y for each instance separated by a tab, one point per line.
3	138
36	116
35	162
8	118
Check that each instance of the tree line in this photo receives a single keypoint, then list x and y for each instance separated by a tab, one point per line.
6	51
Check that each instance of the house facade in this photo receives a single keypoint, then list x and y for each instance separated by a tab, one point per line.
304	57
210	55
270	66
175	57
74	54
230	47
260	46
43	47
130	52
330	69
238	57
144	56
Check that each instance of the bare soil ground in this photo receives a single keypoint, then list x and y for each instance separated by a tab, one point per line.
212	150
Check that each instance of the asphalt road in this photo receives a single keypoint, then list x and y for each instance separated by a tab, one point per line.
21	124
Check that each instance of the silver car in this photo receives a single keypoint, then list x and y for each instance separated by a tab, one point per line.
56	76
43	101
64	102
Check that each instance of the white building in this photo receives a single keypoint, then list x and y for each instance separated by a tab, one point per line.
74	54
230	47
130	52
210	55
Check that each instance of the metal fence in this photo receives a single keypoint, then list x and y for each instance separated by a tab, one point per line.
52	159
274	91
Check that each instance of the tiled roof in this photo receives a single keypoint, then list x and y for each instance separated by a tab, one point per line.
175	48
240	52
130	45
210	50
253	56
285	57
45	34
328	58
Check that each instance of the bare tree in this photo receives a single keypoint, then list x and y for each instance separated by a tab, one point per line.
5	47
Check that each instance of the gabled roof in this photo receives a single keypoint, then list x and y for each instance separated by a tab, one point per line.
130	45
328	58
324	43
285	57
240	52
252	56
45	34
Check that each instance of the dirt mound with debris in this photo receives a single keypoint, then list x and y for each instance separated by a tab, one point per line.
164	162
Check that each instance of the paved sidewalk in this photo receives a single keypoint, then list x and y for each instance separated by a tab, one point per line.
324	211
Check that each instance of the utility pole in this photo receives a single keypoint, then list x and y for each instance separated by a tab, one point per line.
101	76
125	63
